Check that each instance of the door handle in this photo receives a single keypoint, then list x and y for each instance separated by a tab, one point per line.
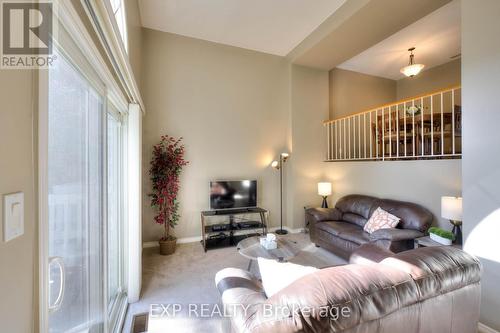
62	273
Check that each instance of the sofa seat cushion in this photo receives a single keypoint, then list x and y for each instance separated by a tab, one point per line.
345	230
358	236
336	227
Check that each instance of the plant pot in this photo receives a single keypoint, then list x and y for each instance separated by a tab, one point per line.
439	239
167	247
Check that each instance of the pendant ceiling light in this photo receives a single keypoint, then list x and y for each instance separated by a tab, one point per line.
412	69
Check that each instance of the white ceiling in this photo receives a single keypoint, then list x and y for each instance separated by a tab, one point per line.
435	36
270	26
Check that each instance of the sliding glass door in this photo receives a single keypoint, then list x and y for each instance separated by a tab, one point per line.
82	193
75	201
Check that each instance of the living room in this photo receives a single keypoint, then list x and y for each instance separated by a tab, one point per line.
269	111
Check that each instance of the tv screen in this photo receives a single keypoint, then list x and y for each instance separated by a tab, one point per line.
233	194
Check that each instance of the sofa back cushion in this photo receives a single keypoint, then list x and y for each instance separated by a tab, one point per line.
354	219
357	209
437	270
412	216
356	204
358	291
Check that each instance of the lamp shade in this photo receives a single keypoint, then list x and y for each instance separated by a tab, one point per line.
451	208
412	70
324	189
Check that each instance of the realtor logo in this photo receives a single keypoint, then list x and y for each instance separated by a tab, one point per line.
27	32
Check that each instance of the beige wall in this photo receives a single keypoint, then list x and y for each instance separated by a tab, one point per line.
230	105
422	182
18	257
481	162
352	92
433	79
309	107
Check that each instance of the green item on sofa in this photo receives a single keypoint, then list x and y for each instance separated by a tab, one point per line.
442	233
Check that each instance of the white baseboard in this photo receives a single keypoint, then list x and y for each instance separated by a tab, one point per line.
195	239
183	240
292	231
482	328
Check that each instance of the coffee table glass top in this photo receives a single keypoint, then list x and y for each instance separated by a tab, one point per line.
251	249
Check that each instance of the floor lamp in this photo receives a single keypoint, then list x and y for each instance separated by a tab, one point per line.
278	165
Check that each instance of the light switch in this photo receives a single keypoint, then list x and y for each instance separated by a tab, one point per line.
13	216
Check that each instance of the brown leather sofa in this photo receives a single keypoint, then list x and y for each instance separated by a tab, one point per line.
433	289
340	229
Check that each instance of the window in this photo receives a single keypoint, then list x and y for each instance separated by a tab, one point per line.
119	12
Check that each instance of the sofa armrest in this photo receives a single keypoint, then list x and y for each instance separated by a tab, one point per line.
395	235
369	254
242	294
323	214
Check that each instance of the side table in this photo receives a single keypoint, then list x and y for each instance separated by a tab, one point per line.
428	242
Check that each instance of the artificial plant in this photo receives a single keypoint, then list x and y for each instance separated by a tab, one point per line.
166	166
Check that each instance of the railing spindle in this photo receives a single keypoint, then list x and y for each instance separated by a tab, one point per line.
422	124
359	136
390	131
432	125
413	127
383	134
397	130
364	133
442	126
376	133
345	141
453	120
404	117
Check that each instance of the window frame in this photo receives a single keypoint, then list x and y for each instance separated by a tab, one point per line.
116	313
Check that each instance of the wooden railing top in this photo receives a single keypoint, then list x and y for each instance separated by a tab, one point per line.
402	101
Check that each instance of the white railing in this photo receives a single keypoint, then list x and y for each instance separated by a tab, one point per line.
423	127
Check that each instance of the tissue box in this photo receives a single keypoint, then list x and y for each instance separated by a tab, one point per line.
268	244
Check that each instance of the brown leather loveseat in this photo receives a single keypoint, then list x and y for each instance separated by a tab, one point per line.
340	229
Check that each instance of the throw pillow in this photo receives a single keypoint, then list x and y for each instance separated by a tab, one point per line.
381	219
278	275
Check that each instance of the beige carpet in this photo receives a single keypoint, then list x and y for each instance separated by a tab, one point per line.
187	277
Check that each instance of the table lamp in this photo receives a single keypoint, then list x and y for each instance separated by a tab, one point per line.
324	189
451	209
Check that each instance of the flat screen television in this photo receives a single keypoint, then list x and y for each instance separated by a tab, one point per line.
231	194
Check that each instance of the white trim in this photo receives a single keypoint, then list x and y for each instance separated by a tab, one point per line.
121	313
43	231
134	179
292	231
103	22
73	24
184	240
482	328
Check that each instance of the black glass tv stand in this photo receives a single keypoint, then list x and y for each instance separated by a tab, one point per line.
231	230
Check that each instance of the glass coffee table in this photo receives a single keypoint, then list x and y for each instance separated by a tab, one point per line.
250	248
